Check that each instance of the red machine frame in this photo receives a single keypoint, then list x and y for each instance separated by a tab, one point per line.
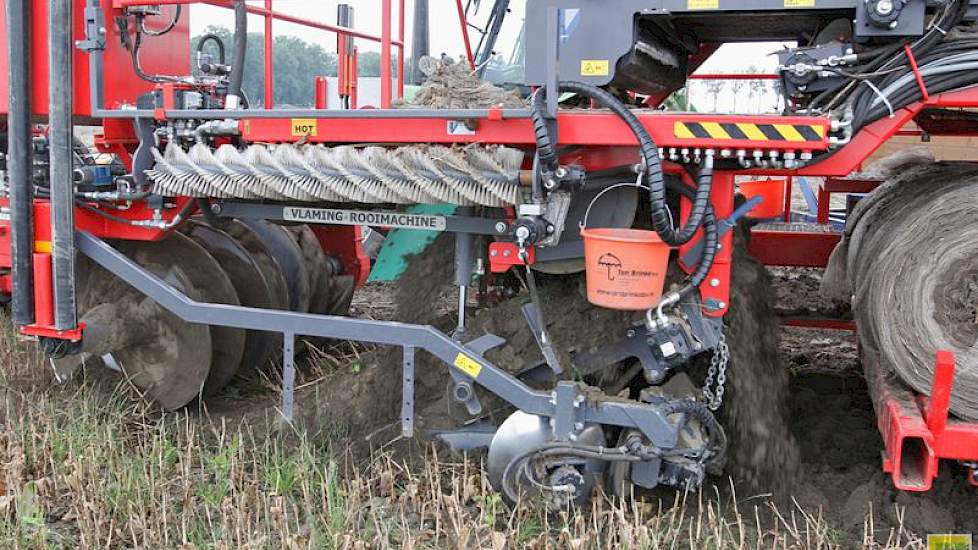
917	431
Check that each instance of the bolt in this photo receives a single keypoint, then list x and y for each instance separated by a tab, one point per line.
714	282
522	233
893	25
884	7
216	208
494	253
500	227
630	333
507	253
578	426
550	228
560	172
721	305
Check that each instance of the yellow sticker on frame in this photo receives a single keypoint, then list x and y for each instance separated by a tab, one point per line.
702	4
468	365
302	127
595	67
799	3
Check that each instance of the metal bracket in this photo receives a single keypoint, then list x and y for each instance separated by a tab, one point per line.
328	216
94	30
407	393
461	359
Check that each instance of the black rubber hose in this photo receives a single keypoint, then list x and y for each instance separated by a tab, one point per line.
211	37
240	49
711	237
661	219
699	411
545	148
169	27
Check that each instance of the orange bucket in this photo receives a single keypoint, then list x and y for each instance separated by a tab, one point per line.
771	190
625	268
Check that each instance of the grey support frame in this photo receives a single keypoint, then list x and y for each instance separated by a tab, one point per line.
569	407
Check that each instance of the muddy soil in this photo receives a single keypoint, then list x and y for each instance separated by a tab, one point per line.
831	416
827	454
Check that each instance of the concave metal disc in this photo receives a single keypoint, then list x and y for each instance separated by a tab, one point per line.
278	291
286	252
212	285
170	359
320	274
249	284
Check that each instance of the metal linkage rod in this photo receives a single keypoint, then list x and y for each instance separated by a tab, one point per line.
19	159
463	359
62	187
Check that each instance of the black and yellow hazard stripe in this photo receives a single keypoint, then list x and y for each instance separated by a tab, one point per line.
749	131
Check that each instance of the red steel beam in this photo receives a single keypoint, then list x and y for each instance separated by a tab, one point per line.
269	59
819	323
386	90
463	23
917	430
580	127
792	248
734	76
400	50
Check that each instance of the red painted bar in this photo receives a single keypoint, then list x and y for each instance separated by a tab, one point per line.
269	59
322	92
43	290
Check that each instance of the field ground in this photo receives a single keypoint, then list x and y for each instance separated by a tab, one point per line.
88	464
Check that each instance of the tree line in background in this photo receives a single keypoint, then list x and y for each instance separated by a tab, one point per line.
296	63
761	95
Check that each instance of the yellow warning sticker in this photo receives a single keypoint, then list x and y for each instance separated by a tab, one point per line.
799	3
703	4
468	365
43	247
594	67
302	127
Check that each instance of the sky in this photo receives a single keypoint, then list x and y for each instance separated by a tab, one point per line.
446	37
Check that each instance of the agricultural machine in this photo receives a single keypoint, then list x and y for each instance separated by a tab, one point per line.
206	232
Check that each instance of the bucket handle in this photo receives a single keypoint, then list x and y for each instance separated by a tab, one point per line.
637	184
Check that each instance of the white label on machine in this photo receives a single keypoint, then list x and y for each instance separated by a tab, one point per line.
460	128
361	217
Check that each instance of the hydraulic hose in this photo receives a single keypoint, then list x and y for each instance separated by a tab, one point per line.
711	237
211	37
240	48
699	411
661	223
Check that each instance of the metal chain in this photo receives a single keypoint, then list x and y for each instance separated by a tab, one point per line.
718	369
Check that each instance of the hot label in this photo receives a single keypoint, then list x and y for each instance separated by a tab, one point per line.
302	127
